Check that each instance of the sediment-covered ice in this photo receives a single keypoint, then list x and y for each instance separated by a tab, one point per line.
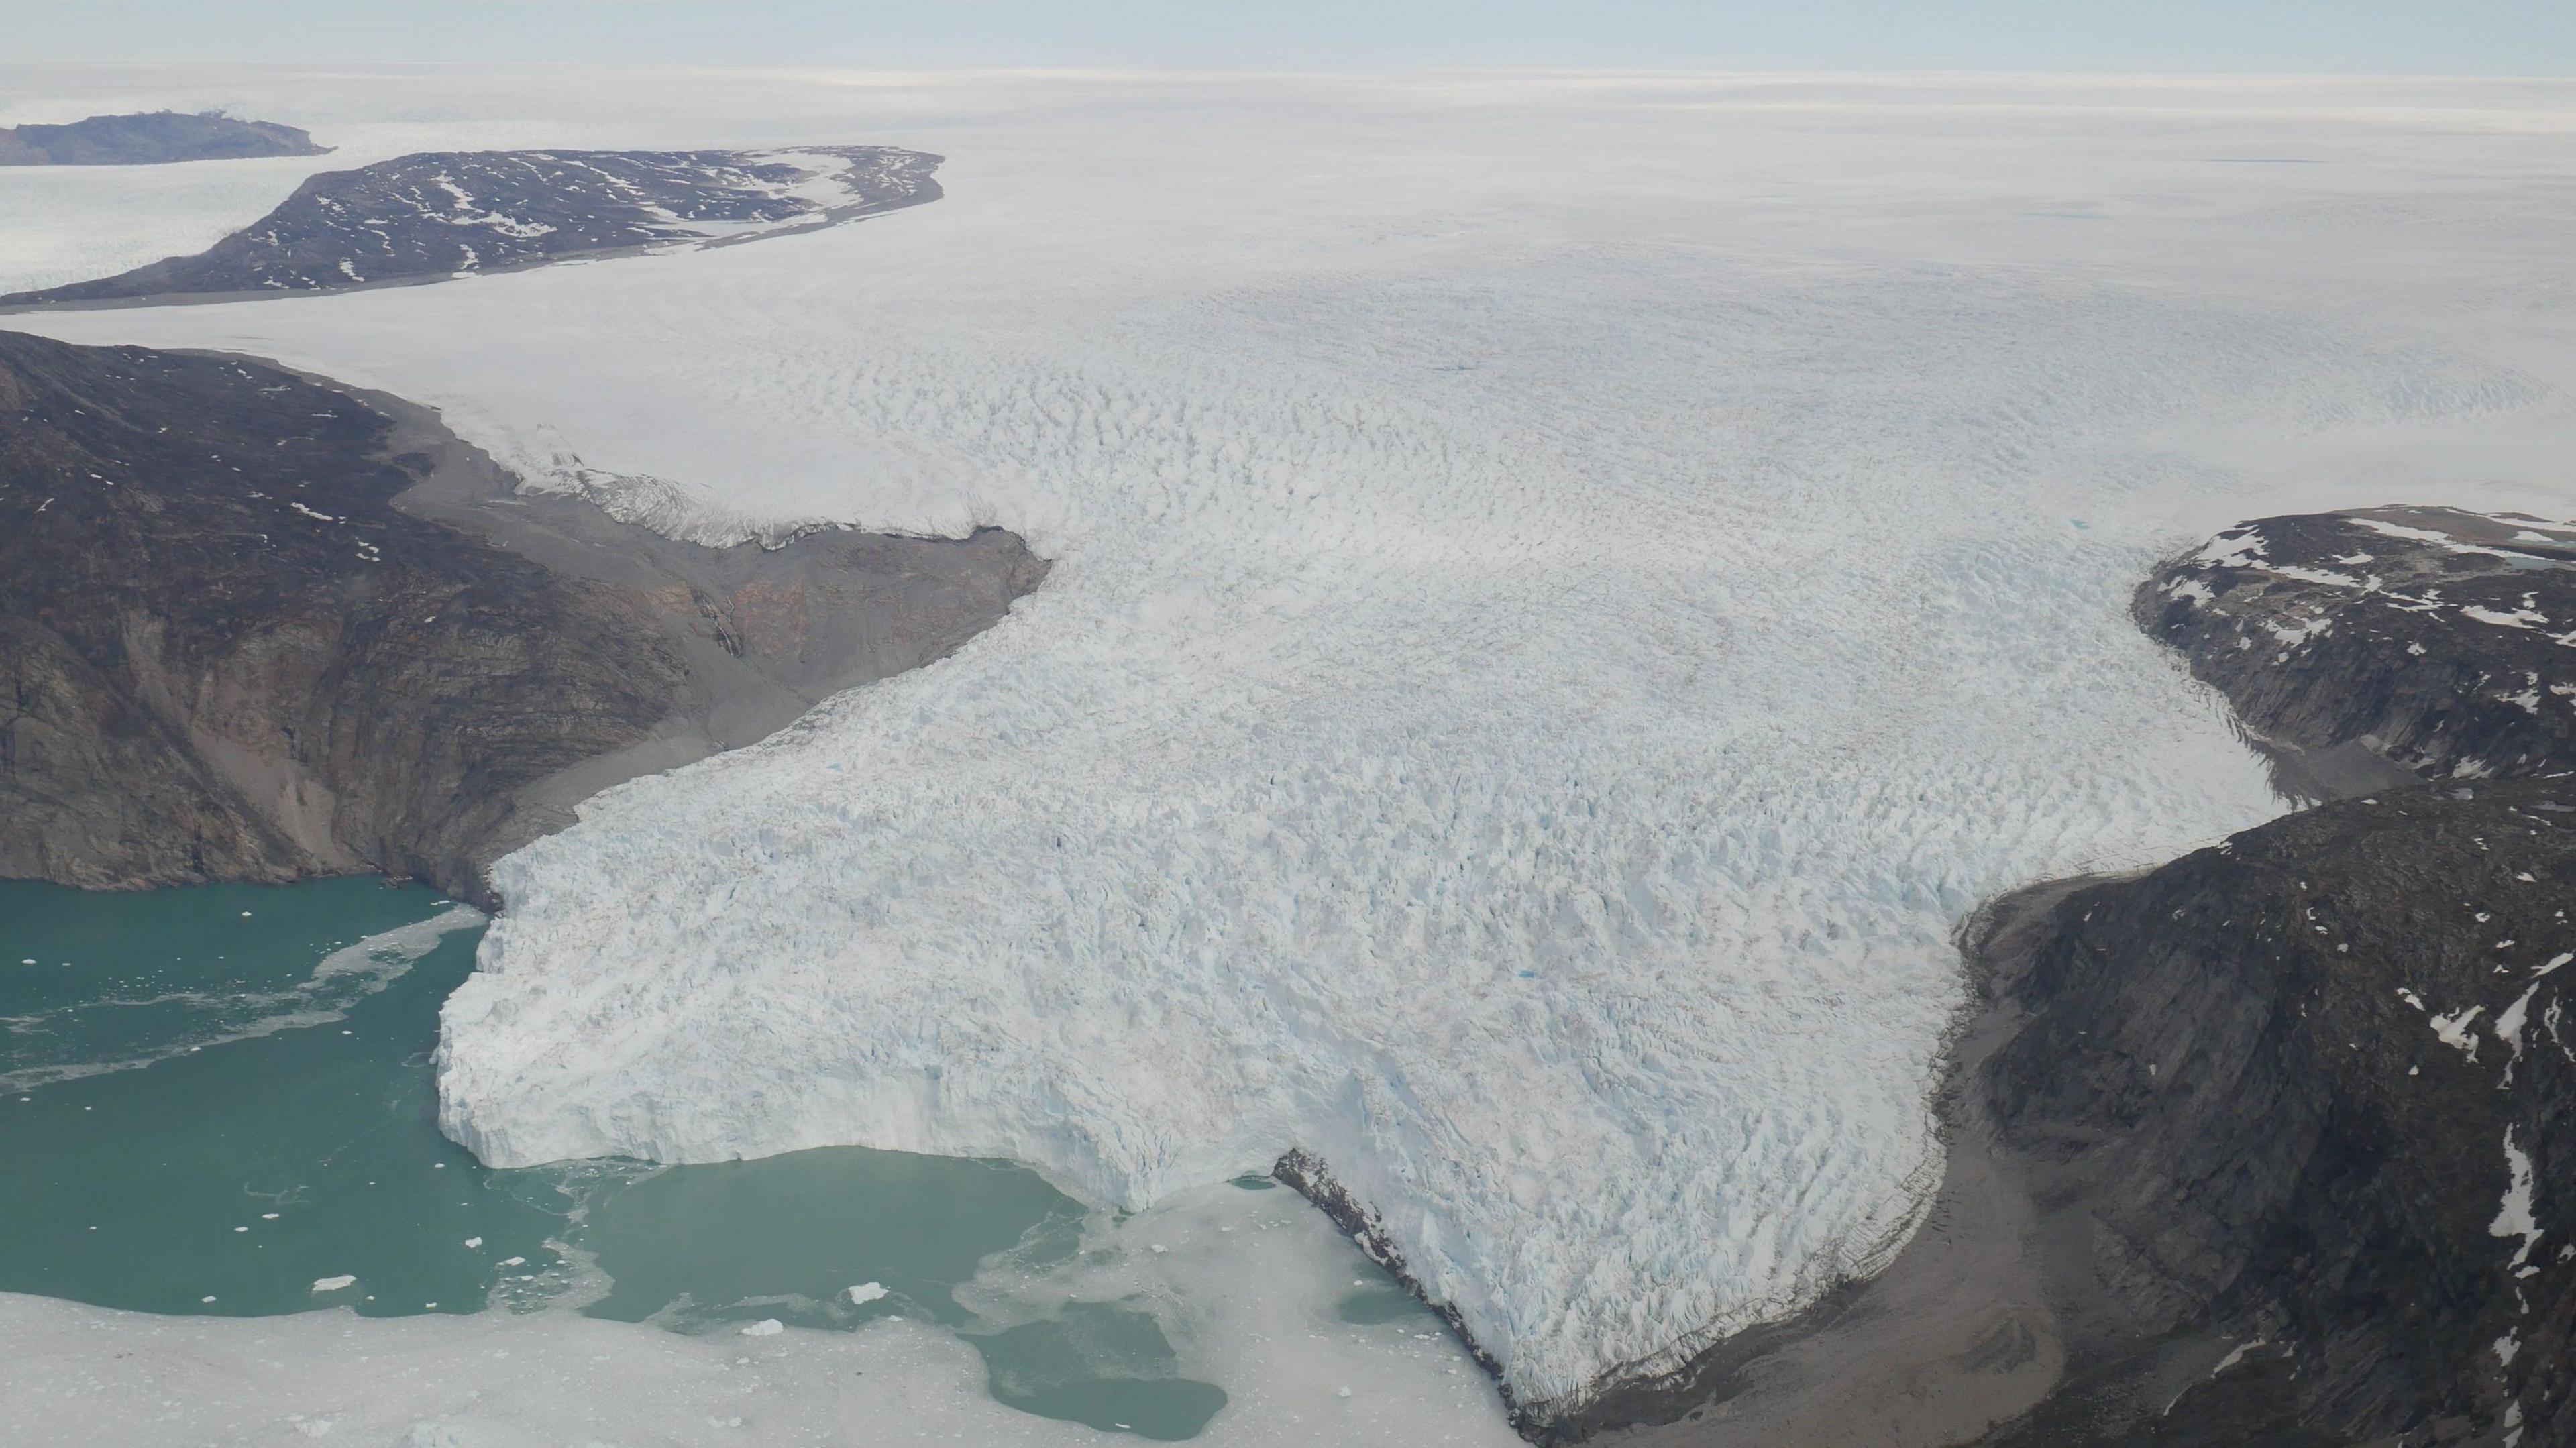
1564	596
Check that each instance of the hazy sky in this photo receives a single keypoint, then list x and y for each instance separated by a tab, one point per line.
2522	37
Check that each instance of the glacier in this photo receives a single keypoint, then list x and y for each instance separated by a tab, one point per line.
1566	592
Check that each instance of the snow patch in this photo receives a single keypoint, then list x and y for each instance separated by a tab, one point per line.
2514	1216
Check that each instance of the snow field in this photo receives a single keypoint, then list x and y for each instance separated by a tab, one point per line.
1565	593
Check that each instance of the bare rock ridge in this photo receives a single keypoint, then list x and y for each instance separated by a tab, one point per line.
2275	1144
2385	644
256	627
437	215
151	138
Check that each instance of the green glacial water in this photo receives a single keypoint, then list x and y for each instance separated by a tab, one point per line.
219	1100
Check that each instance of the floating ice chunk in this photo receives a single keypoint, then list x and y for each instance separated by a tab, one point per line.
471	1243
766	1327
864	1293
334	1284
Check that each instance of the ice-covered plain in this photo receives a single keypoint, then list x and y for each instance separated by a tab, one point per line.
1566	591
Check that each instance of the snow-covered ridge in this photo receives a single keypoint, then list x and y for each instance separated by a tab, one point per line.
442	213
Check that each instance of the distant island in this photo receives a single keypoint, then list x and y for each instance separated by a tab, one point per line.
437	215
151	138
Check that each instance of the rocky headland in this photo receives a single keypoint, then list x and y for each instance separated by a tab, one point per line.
257	626
151	138
2274	1144
442	214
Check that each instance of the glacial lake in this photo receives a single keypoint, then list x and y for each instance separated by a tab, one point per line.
220	1101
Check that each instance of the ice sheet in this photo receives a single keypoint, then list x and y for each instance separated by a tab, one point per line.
1566	592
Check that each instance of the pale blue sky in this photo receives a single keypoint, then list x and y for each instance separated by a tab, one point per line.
2524	37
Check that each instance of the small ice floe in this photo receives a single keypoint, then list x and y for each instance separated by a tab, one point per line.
514	1261
473	1242
1160	1249
864	1293
205	1299
334	1284
766	1327
1341	1392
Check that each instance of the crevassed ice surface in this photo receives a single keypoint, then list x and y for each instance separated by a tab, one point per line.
1565	595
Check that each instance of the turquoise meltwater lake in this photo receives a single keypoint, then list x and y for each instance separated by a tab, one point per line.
219	1100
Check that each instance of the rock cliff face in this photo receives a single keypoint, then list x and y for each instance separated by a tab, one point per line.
227	654
2315	1088
151	138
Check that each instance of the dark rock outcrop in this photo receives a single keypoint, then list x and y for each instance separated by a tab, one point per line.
227	652
2315	1088
440	214
2434	640
151	138
2304	1088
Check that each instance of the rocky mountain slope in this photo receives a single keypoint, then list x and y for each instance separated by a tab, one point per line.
440	214
2432	639
2314	1089
227	653
150	138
